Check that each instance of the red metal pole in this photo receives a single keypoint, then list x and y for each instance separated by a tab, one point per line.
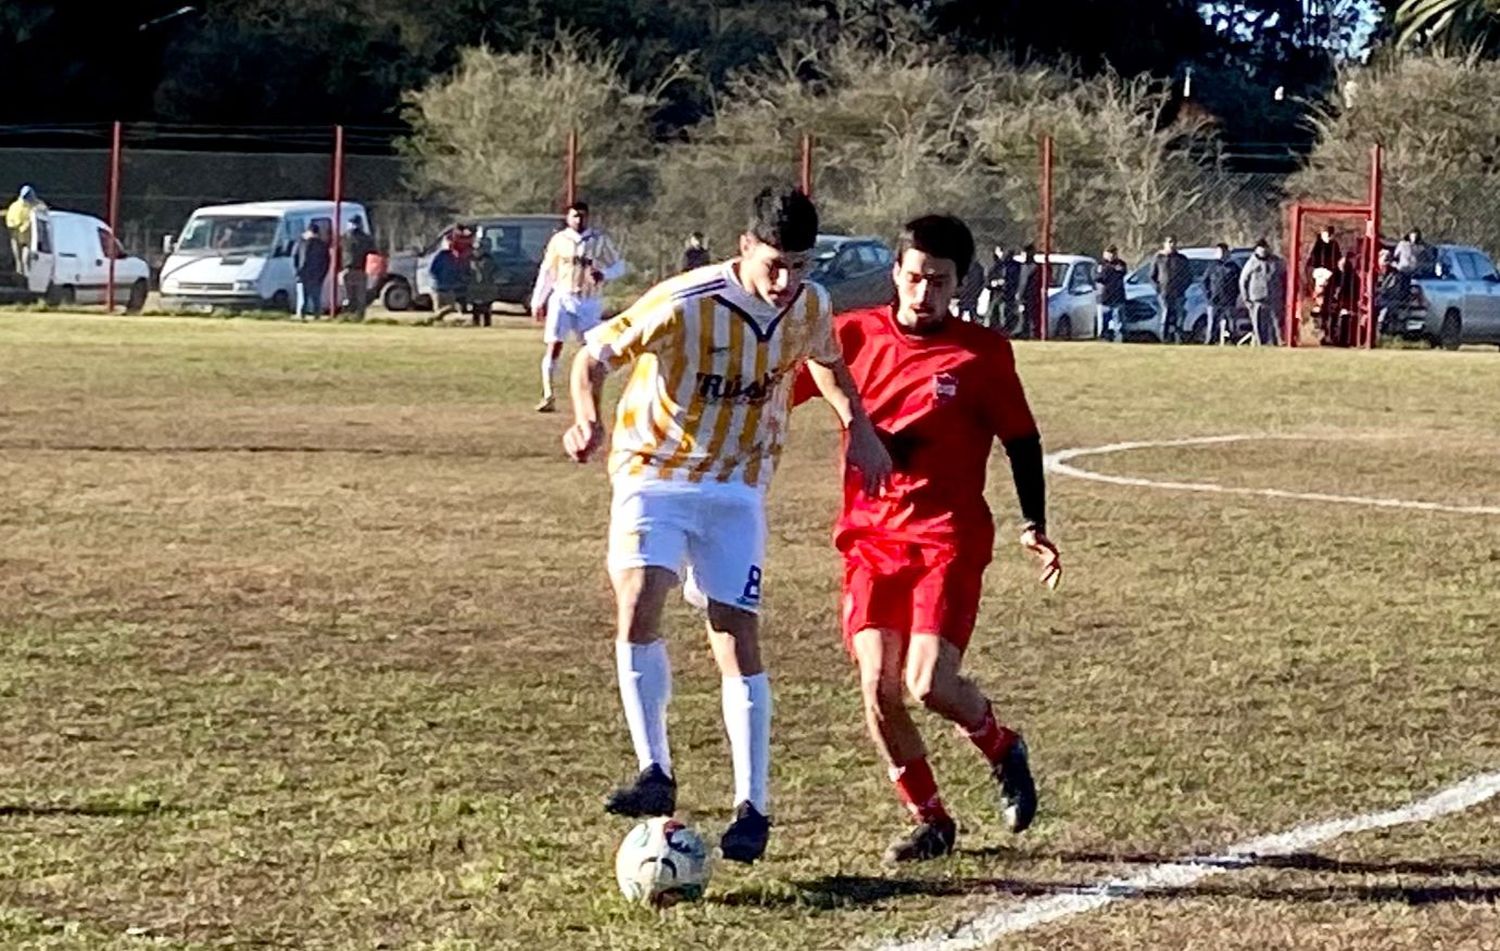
1377	189
338	217
1289	320
1046	282
570	171
114	218
807	164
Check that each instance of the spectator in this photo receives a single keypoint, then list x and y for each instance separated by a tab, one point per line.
1392	294
1415	257
695	254
1262	288
1003	279
449	275
1029	301
310	258
1111	282
358	246
969	289
1221	286
1325	254
1345	303
18	218
485	287
1172	276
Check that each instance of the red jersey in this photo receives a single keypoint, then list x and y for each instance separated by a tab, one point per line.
938	400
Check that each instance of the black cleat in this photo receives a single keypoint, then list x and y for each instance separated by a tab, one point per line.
929	840
653	793
745	839
1017	788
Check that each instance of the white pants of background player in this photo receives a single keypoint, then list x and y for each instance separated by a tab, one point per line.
567	316
712	536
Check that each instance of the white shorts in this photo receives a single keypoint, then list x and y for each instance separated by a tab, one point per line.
568	315
716	531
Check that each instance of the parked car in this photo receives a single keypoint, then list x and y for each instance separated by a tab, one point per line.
1072	298
1457	303
240	256
1145	314
69	262
855	271
518	243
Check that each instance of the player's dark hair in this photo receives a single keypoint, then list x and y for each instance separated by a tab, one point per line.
786	219
942	236
1222	246
582	207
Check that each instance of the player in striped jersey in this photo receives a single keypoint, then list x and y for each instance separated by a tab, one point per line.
698	432
568	296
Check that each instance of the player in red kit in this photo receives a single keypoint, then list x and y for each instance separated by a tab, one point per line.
940	392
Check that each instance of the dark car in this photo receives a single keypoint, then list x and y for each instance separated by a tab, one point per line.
855	271
517	243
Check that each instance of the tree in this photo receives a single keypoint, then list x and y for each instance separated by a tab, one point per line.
1442	158
1449	26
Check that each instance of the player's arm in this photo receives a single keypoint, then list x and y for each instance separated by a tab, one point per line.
546	275
865	451
647	326
611	265
1013	424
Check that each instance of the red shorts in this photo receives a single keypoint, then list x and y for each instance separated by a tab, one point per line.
911	588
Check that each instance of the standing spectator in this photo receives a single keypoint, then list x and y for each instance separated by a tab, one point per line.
969	290
1262	287
1392	294
358	246
18	218
485	287
1172	276
1325	254
1340	318
1003	278
1112	296
695	254
1029	301
310	258
449	273
1415	257
1221	286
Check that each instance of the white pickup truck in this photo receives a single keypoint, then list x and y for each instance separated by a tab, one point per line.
1457	302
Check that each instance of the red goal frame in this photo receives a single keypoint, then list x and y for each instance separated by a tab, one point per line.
1366	334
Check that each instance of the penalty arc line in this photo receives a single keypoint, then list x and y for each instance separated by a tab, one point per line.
993	925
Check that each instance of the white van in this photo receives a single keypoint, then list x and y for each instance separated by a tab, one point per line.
68	261
240	256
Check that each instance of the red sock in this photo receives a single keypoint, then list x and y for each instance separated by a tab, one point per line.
993	740
918	790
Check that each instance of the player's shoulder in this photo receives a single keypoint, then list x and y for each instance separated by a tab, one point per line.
819	295
680	290
982	341
866	320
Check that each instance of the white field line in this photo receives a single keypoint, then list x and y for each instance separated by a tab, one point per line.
992	925
1059	462
997	923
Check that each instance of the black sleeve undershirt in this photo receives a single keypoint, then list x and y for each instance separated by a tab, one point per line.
1031	485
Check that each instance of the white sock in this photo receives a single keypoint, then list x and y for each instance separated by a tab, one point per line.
747	720
645	677
549	371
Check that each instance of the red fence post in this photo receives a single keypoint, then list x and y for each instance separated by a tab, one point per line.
1046	282
1377	193
570	170
337	240
1290	321
114	217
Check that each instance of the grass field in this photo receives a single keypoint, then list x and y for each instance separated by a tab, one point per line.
305	643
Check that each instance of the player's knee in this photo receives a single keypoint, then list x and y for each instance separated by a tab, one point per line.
639	599
882	695
923	684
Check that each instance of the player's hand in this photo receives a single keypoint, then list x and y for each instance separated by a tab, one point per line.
1041	546
582	439
868	454
539	313
597	275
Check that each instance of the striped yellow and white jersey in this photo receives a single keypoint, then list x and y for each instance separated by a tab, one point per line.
714	365
571	263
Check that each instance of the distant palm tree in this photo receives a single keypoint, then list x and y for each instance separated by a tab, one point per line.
1452	25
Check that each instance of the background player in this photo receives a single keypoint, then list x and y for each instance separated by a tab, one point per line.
698	432
939	391
568	296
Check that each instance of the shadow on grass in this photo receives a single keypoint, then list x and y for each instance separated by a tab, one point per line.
98	808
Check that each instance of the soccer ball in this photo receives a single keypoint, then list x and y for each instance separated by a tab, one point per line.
662	862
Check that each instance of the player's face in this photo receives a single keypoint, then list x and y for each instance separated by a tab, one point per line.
773	275
577	220
925	286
